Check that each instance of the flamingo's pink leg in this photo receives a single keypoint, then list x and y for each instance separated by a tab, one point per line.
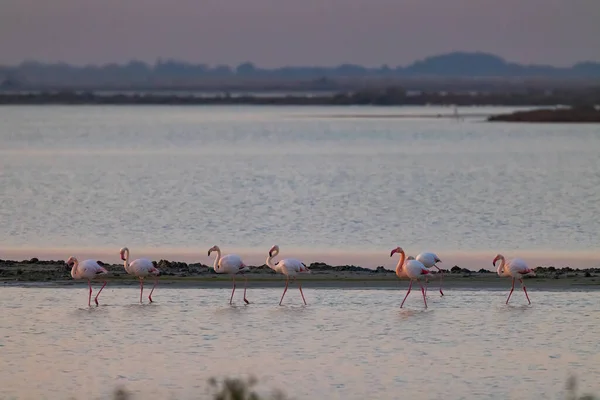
97	294
155	283
423	291
511	290
141	288
426	283
441	279
90	296
407	293
233	291
245	285
525	290
300	287
287	281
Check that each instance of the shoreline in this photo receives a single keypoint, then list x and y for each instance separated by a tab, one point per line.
494	283
390	96
56	274
551	115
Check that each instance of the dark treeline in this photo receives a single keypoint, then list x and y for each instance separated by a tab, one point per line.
468	71
387	96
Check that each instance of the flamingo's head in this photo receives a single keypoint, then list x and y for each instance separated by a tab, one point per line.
122	253
437	260
274	251
214	248
498	257
396	250
72	260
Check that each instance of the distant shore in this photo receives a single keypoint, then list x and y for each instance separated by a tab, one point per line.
52	273
564	115
391	96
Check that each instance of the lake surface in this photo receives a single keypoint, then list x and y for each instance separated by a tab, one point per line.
169	181
346	344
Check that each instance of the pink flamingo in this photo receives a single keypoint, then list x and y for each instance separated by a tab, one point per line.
141	267
87	269
429	260
411	268
515	269
290	267
230	264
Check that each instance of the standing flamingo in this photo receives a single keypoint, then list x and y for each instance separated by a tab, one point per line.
230	264
87	269
141	267
515	268
429	260
411	268
290	267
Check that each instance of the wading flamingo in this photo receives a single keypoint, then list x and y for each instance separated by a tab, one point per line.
411	268
290	267
140	267
429	260
87	269
230	264
515	269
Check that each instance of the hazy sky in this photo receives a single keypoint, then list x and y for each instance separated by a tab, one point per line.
297	32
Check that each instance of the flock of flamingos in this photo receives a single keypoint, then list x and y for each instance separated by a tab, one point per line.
407	267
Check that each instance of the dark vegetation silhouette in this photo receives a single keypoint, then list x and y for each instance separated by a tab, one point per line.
242	389
584	114
475	71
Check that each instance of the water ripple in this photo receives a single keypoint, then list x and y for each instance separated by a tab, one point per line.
346	344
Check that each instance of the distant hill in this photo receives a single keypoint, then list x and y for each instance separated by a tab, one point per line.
178	74
460	64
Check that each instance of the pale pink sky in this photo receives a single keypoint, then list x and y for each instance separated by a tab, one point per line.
301	32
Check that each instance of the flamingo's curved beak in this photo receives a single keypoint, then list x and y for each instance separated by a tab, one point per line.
270	253
393	252
494	262
209	252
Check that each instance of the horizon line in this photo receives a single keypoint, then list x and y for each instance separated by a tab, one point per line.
163	60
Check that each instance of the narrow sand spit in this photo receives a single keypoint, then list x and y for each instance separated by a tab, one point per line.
181	275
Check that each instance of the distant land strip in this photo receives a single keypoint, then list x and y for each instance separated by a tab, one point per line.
390	96
470	65
181	274
561	115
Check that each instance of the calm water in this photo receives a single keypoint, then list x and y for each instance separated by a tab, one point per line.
247	177
346	344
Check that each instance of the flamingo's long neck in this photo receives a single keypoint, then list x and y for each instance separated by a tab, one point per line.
269	263
126	262
74	269
500	269
400	262
216	263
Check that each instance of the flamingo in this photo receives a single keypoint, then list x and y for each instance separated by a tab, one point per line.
87	269
141	267
290	267
411	268
230	264
429	260
515	268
